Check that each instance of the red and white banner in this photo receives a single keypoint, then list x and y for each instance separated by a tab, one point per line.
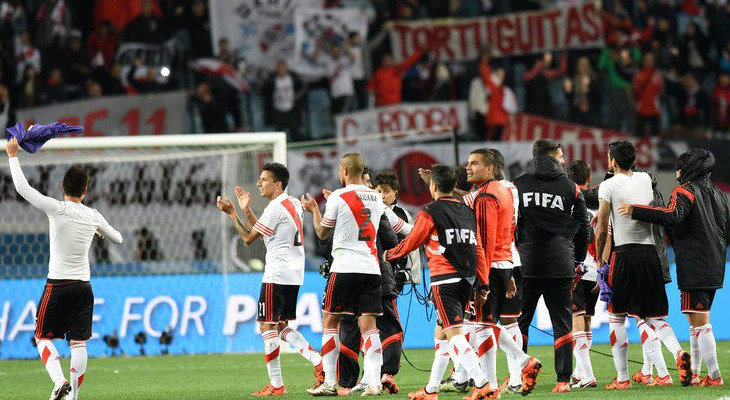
150	114
575	27
580	142
402	122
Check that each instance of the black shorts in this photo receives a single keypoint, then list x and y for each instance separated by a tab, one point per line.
451	299
277	303
636	277
697	301
496	303
353	294
584	301
65	310
512	308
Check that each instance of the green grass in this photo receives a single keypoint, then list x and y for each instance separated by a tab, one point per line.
234	376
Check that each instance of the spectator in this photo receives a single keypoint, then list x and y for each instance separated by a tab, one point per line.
339	70
120	13
694	103
537	90
27	55
721	103
7	114
55	89
694	50
478	106
93	89
497	116
197	23
147	27
581	92
141	79
13	22
111	81
647	87
102	45
75	68
225	54
359	79
212	113
29	86
387	81
7	67
54	24
284	93
613	62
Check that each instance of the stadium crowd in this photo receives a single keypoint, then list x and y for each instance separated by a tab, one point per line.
665	67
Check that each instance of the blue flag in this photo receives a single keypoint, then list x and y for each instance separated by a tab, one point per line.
38	134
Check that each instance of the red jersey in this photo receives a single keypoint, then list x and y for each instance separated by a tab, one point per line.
721	102
648	85
386	83
497	115
494	208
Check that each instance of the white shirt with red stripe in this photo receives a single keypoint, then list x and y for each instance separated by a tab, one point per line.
281	226
354	212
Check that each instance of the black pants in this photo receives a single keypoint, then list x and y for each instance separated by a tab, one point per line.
289	122
361	94
391	337
559	302
647	126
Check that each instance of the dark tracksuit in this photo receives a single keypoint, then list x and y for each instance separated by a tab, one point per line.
552	233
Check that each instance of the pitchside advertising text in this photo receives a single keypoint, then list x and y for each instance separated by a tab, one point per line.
217	313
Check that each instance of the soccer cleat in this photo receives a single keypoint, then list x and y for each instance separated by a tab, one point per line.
270	390
616	385
575	380
450	385
323	390
389	384
506	389
712	382
358	389
422	394
561	387
60	389
639	377
343	391
484	392
529	375
585	384
684	366
318	374
663	381
696	380
372	391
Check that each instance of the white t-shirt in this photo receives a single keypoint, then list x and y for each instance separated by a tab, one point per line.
590	263
354	212
283	93
71	227
281	226
516	203
340	76
624	189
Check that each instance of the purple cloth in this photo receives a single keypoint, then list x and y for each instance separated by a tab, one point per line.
606	292
38	134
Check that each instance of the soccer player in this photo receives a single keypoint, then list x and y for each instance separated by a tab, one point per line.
552	238
353	286
449	230
698	213
585	294
67	304
280	226
635	275
493	205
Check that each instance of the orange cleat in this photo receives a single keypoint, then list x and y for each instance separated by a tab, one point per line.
562	387
684	366
318	374
344	391
389	384
422	394
696	380
639	377
662	381
484	392
616	385
270	391
712	382
529	375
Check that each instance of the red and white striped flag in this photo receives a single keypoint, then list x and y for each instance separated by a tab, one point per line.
212	66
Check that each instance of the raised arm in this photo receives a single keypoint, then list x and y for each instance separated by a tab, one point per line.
108	232
323	226
47	204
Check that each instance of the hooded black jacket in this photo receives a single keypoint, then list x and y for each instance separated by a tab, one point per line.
554	224
699	221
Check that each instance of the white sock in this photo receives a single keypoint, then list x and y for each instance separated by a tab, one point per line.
460	374
293	337
694	351
509	346
50	358
653	347
273	361
579	340
666	335
468	358
373	356
647	368
619	346
708	349
78	368
515	369
440	362
586	357
330	353
487	353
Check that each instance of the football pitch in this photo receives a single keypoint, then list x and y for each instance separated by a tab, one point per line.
235	376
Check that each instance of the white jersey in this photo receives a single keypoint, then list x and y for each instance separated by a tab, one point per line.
624	189
354	212
516	203
281	226
71	228
590	263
